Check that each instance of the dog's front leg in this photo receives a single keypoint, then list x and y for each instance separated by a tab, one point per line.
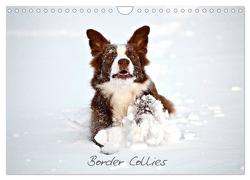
112	139
101	117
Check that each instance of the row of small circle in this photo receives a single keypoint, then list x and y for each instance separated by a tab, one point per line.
59	10
189	10
139	10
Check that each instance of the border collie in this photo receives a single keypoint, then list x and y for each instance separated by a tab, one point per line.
119	77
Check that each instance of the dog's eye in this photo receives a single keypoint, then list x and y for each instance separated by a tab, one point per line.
110	55
131	54
111	52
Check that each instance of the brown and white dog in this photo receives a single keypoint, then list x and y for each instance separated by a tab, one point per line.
119	77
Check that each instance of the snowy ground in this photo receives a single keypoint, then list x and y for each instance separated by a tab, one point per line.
197	61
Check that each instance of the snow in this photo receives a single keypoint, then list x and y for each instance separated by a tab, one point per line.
145	123
235	88
48	93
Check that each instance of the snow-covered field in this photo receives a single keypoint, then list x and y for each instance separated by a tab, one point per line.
197	61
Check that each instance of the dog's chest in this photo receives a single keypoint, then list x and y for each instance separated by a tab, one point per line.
120	102
122	94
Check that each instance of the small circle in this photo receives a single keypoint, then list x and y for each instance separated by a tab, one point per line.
16	10
218	10
197	10
95	10
31	10
233	10
168	10
226	10
67	10
204	10
81	10
189	10
9	10
103	10
153	10
161	10
211	10
146	10
60	10
139	10
53	10
24	10
182	10
74	10
175	10
38	10
110	10
88	10
45	10
240	10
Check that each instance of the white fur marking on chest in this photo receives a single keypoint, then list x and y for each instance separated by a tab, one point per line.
123	94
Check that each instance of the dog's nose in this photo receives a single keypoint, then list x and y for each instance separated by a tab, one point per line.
123	62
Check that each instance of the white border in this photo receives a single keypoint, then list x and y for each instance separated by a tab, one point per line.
4	3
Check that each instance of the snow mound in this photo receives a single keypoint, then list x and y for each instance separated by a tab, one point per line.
146	122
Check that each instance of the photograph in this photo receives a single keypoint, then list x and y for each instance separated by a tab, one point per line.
125	90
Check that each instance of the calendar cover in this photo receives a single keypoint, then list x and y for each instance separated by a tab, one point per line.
125	90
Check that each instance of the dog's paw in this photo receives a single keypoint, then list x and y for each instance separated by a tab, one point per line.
102	137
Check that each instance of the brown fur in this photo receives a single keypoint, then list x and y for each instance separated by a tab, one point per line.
167	104
101	116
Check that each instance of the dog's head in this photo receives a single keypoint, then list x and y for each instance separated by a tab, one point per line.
119	61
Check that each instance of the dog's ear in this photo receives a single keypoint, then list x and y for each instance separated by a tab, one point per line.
97	41
139	39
